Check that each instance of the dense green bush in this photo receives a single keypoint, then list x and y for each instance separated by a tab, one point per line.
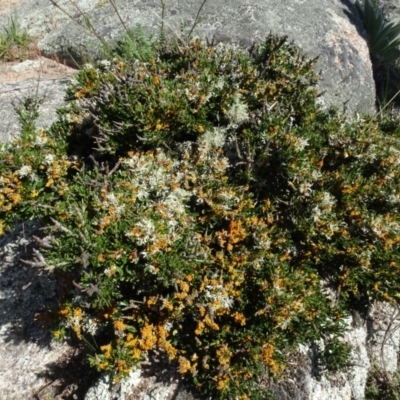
200	203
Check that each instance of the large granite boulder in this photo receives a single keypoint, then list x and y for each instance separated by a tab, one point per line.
329	29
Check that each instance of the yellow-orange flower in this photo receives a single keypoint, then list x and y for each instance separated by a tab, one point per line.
57	334
239	318
184	365
222	382
268	359
106	350
119	325
64	312
149	339
130	340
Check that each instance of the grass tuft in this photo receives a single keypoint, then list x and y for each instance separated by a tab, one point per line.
16	44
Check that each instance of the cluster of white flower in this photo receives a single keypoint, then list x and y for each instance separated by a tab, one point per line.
24	171
49	158
217	294
90	326
110	271
262	241
305	188
301	144
146	232
215	138
238	112
40	140
381	227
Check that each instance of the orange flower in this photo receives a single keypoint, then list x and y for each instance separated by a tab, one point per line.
239	318
65	311
57	334
167	305
130	341
149	339
184	365
119	325
224	355
222	382
78	313
268	359
199	328
106	350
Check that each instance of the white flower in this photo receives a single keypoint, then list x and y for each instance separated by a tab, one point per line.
110	271
40	141
301	144
393	199
49	158
24	171
264	244
220	84
238	111
119	209
168	326
142	194
316	214
328	201
305	188
215	293
316	175
215	138
105	63
144	254
151	269
90	326
112	199
226	302
172	223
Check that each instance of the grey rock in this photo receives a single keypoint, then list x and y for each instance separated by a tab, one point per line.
375	340
390	8
329	29
52	91
384	336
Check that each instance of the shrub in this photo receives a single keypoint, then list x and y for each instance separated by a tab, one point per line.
199	204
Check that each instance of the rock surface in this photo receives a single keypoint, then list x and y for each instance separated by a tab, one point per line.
41	77
390	8
26	349
329	29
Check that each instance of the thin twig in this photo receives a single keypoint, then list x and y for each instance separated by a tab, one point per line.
196	19
377	114
119	16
